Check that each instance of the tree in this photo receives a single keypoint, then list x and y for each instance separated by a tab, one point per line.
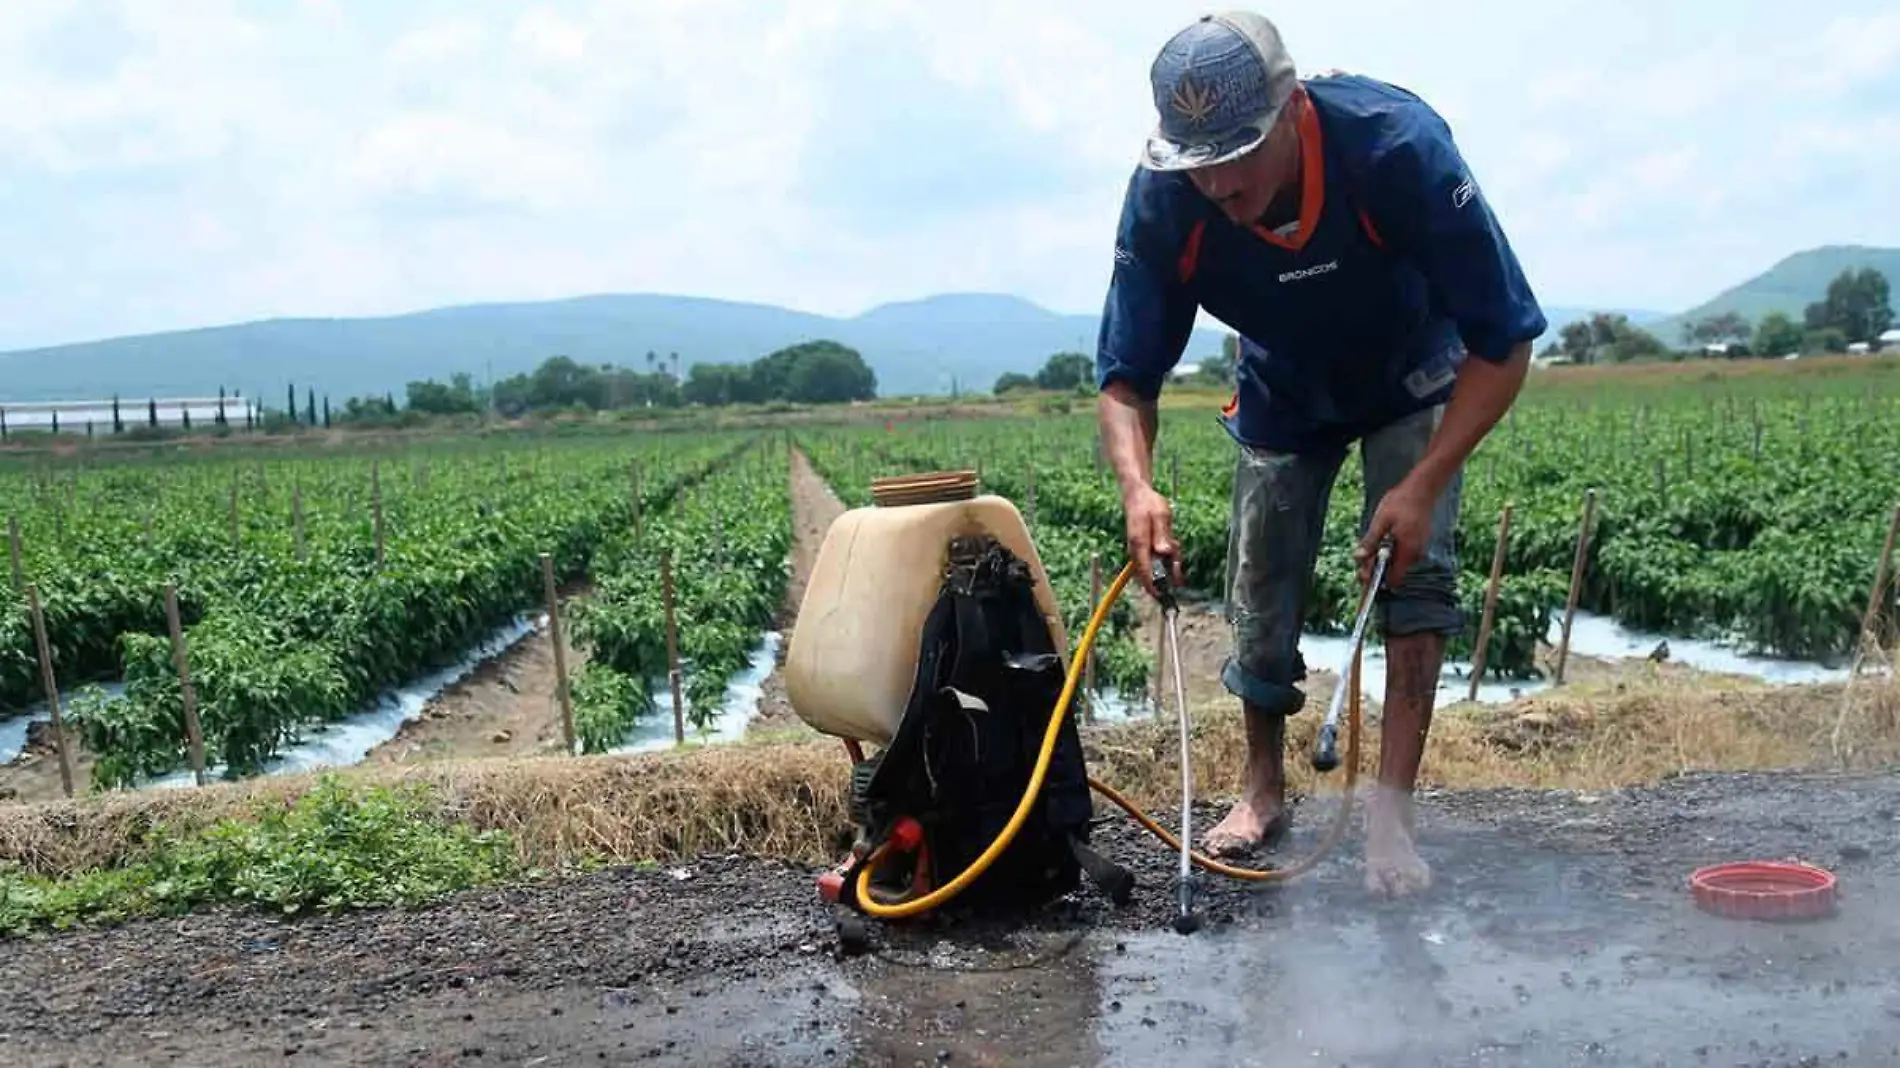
831	374
716	384
1826	339
1608	337
1777	335
1857	304
1010	381
1574	341
434	398
812	372
1729	326
1064	371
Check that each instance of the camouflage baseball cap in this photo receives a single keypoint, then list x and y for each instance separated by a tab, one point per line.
1219	85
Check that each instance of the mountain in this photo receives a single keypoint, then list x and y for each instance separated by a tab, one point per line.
1789	286
918	346
921	346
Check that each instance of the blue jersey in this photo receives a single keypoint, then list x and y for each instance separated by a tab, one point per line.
1362	314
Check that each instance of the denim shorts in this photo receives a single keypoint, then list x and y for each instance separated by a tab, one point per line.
1279	514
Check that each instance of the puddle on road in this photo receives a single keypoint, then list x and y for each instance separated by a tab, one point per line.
1519	956
1535	964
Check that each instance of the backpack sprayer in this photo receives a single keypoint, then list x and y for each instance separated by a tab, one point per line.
980	791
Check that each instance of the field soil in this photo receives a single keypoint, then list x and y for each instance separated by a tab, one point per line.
34	774
814	508
1557	931
508	706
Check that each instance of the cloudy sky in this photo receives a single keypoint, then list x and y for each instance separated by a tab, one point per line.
170	163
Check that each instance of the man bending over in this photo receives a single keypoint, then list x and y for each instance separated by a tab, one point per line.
1333	225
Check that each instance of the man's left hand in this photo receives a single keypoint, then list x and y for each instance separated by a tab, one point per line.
1404	513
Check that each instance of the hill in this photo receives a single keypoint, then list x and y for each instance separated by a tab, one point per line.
1789	286
922	346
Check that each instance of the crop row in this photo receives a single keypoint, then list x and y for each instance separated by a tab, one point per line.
727	541
282	637
1077	497
1747	516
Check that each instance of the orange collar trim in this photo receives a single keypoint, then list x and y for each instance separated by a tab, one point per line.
1312	179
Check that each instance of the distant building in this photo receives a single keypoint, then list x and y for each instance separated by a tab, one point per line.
74	415
1889	339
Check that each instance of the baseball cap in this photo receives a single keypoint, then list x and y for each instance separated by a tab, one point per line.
1219	85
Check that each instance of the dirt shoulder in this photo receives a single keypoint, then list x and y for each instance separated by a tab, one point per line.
1555	915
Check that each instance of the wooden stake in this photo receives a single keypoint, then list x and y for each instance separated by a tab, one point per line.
51	686
560	652
181	659
376	502
1030	497
672	649
1095	598
236	541
1881	569
296	519
1490	601
1576	578
639	527
13	550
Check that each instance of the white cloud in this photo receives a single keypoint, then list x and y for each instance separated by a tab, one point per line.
225	159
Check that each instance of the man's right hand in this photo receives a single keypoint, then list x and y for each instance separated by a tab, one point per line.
1150	520
1129	425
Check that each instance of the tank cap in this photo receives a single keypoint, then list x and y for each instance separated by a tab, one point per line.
931	488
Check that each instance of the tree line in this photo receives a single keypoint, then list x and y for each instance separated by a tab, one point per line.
814	372
1856	309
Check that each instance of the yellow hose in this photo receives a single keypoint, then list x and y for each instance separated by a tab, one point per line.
874	906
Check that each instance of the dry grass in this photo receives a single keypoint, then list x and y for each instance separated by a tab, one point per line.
786	799
783	800
1608	732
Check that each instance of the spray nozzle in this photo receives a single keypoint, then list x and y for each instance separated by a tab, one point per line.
1164	584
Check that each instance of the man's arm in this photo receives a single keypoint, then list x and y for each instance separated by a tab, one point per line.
1146	321
1129	424
1445	224
1485	390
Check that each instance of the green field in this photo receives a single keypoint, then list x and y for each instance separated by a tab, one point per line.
1741	502
292	615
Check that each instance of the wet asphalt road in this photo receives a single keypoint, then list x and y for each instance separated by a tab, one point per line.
1557	932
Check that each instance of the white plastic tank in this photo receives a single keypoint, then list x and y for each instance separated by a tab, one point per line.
853	651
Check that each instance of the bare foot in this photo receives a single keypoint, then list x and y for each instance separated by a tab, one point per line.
1393	866
1254	822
